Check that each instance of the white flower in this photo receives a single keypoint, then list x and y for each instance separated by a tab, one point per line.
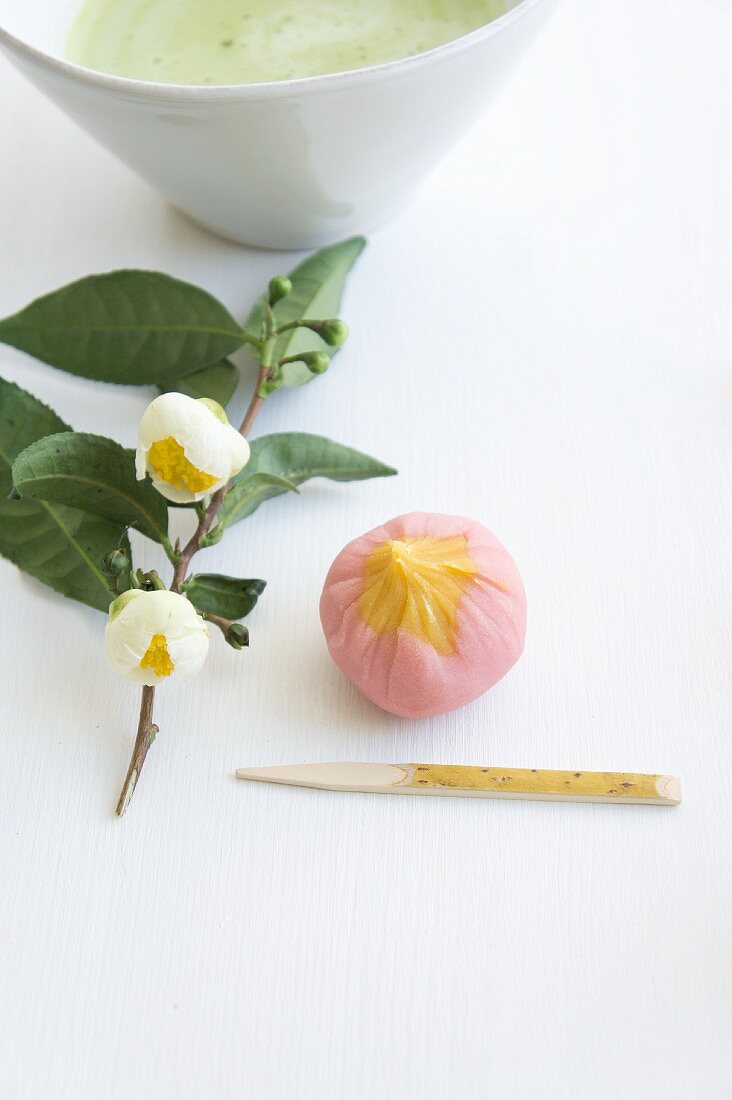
150	635
188	447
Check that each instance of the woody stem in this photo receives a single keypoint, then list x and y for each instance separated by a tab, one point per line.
146	730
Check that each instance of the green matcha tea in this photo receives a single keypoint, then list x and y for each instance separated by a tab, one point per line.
247	41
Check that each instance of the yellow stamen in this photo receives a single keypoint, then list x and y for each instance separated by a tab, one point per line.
157	657
169	463
416	584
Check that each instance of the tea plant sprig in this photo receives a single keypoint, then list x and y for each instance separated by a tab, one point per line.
70	498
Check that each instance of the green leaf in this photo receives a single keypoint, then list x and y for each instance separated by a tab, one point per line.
217	382
136	327
229	597
317	288
93	474
297	457
60	546
262	479
259	484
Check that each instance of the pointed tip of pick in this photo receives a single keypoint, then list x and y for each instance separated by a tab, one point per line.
254	773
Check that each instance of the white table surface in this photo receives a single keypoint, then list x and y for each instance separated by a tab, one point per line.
542	341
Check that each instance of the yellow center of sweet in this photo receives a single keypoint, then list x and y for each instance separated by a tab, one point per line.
169	463
416	584
157	657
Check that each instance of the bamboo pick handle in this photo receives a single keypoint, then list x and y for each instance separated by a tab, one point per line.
542	784
469	781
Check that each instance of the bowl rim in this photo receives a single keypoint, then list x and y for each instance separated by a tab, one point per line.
206	93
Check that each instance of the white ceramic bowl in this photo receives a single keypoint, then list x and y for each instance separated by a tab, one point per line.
291	164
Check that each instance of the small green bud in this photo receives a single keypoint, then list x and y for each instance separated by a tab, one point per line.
153	581
115	563
279	288
237	636
317	362
269	387
334	332
215	535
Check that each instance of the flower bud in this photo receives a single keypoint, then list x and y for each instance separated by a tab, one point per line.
188	447
115	563
279	288
151	635
214	535
237	636
270	387
317	362
153	582
333	332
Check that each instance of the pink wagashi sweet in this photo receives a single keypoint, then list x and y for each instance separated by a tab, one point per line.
425	613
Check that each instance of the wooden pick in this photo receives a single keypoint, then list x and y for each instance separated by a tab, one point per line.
474	782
